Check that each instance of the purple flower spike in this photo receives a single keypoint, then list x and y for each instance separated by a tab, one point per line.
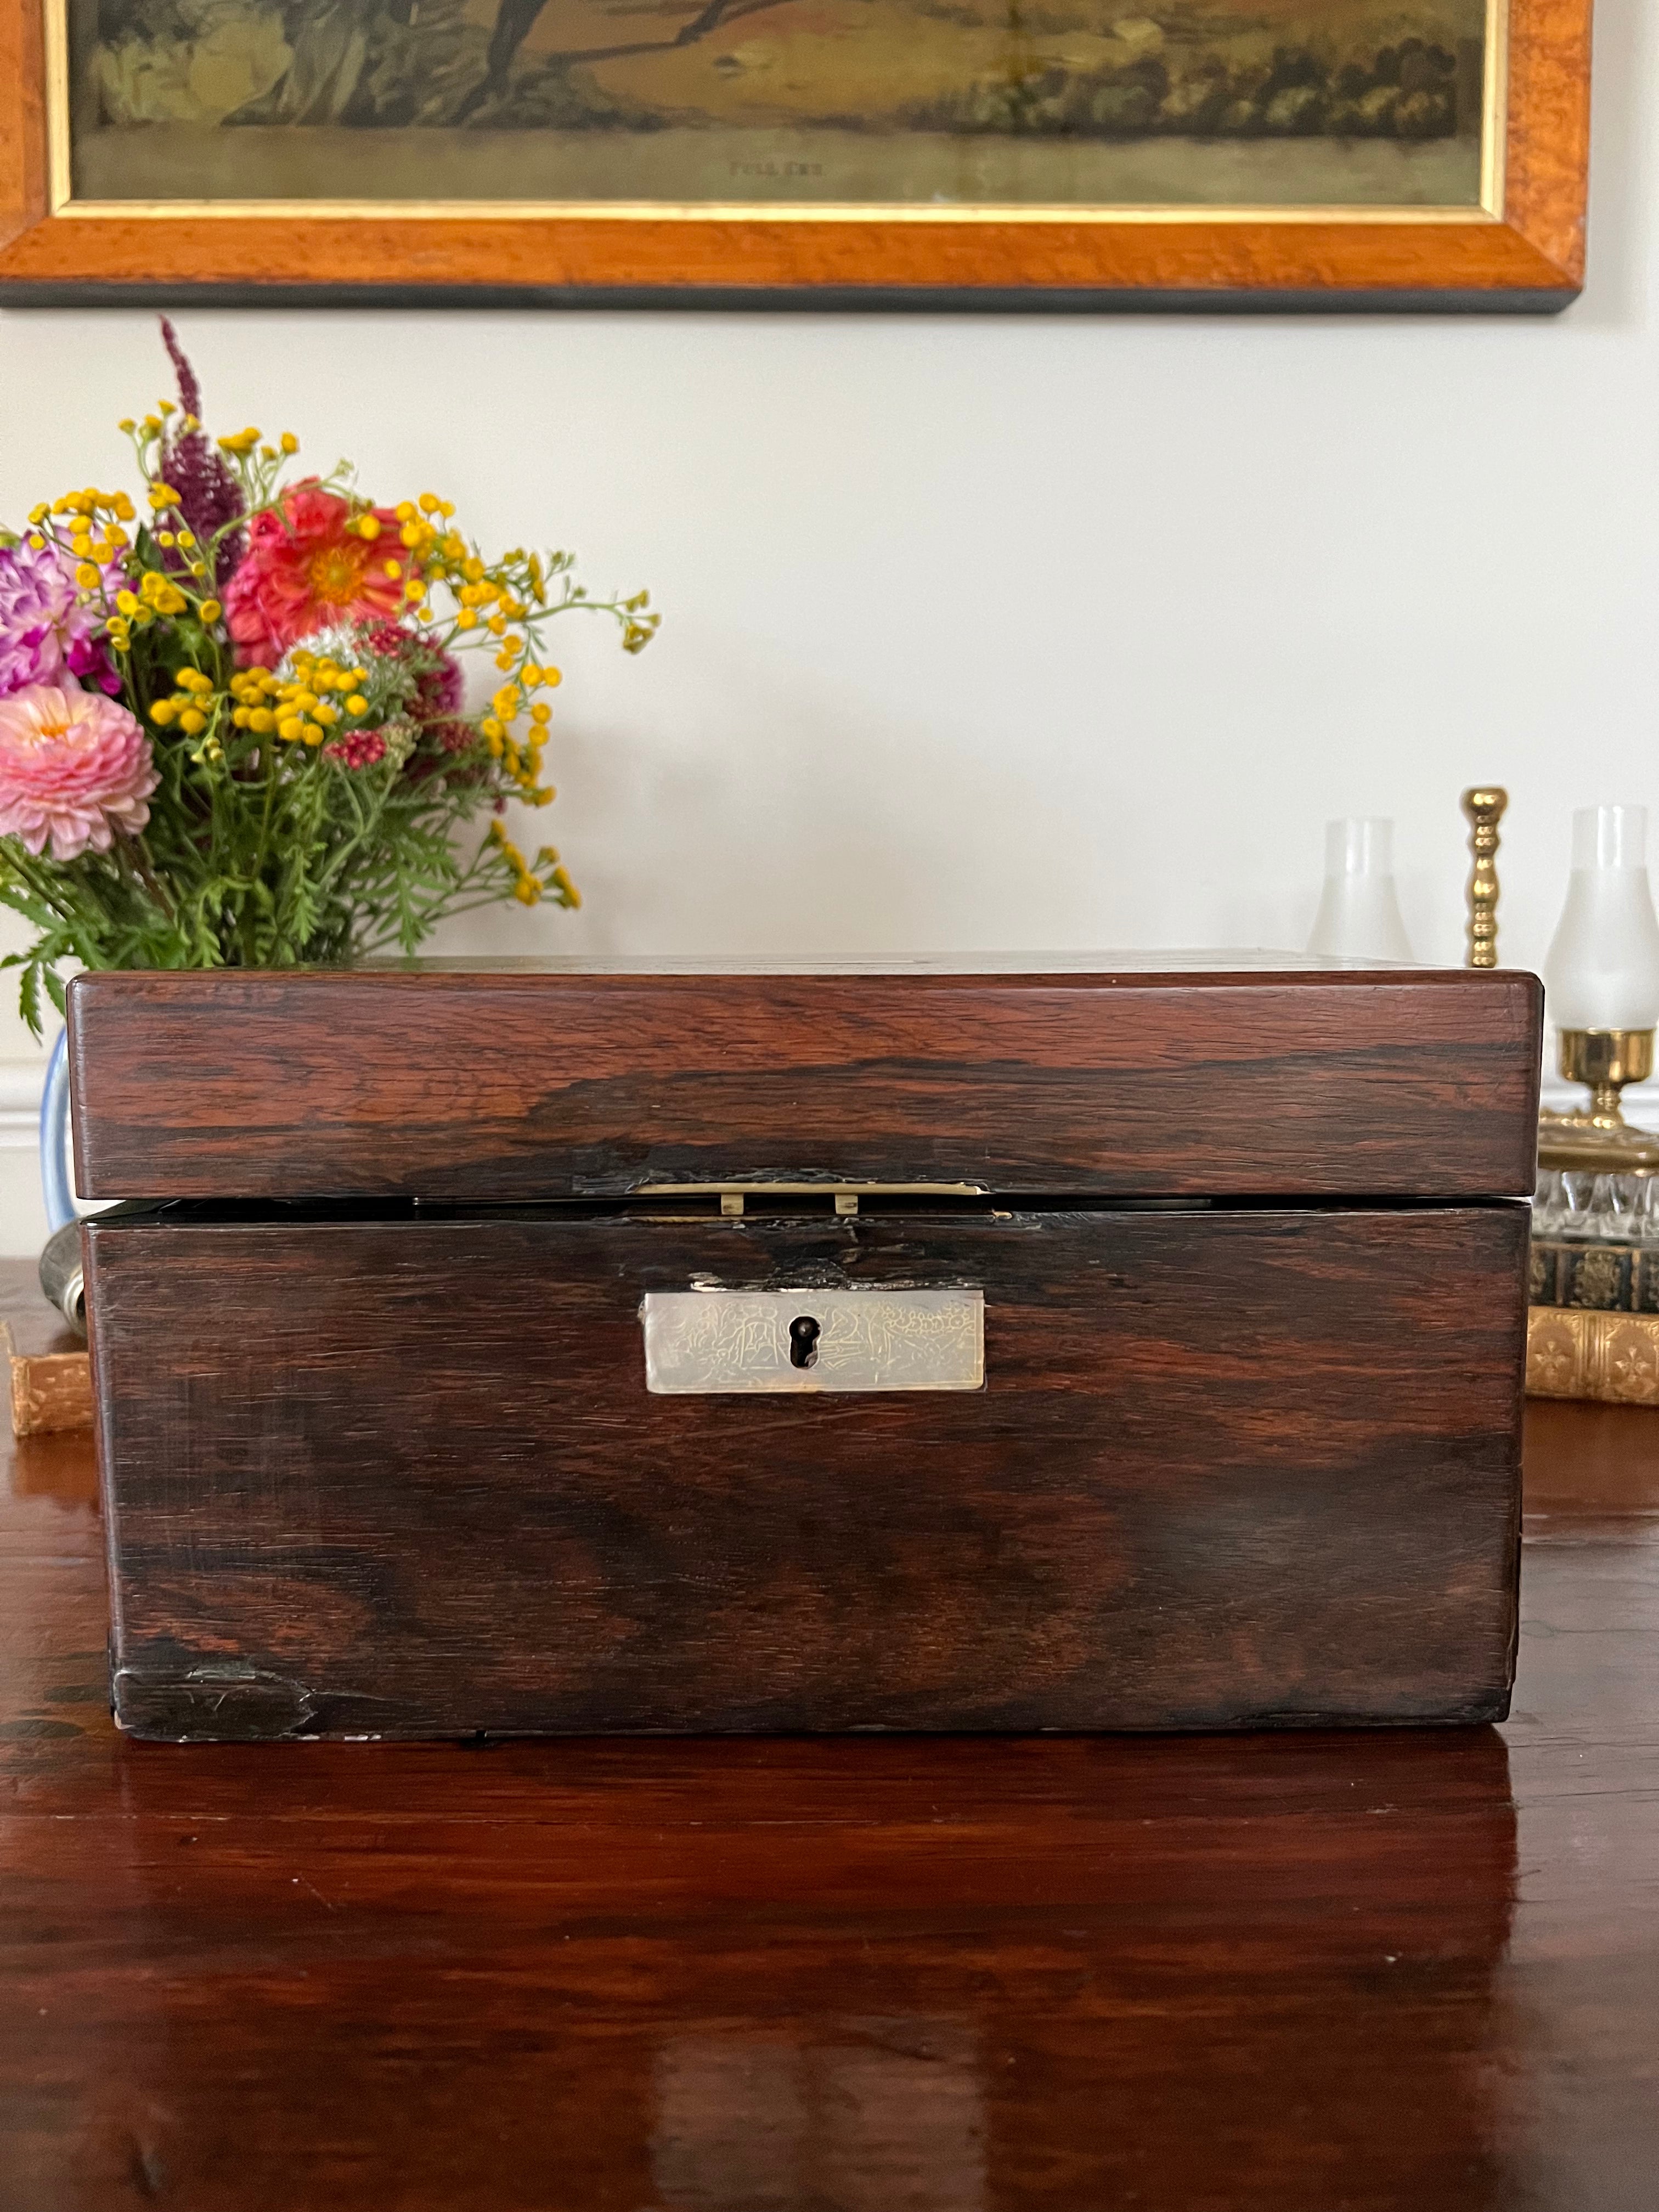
209	494
190	385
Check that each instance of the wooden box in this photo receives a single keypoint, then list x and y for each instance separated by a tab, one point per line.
511	1350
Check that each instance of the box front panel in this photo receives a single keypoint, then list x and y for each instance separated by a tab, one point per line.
1226	1468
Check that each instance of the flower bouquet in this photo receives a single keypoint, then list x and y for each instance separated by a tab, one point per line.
232	725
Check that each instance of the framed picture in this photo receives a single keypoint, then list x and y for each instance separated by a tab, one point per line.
958	153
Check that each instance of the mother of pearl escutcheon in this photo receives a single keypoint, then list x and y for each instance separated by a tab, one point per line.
713	1340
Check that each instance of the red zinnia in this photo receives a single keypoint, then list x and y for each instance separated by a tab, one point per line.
304	569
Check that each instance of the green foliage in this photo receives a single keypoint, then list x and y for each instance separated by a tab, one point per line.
272	855
337	806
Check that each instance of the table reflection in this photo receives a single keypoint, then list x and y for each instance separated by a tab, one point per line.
883	1976
863	2114
59	1467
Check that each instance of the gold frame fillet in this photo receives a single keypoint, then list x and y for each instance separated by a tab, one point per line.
1488	209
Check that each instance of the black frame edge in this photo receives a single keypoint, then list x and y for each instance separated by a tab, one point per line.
830	299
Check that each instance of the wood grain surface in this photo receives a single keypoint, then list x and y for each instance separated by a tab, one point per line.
1392	1971
1528	255
501	1085
1258	1468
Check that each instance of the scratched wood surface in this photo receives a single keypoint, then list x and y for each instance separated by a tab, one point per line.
504	1086
1405	1972
1253	1468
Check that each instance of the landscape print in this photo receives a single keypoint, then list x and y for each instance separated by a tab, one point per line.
923	103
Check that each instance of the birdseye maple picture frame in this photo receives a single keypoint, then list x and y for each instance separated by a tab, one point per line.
1061	154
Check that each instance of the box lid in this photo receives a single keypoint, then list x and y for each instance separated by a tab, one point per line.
1129	1075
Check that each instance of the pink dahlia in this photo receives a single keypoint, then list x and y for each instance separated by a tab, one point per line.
74	767
46	632
304	570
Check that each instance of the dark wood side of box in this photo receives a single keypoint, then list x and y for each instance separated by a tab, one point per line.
510	1087
1255	1468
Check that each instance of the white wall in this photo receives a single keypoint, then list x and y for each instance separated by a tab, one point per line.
1019	632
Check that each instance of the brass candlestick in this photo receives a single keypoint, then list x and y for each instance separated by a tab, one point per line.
1605	1061
1484	808
1600	1142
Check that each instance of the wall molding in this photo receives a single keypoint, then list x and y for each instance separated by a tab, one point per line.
21	1085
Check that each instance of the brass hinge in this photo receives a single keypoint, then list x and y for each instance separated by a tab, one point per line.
845	1195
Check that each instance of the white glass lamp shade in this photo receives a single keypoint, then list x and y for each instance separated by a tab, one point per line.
1602	971
1359	912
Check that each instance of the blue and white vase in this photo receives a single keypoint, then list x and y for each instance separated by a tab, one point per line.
60	1262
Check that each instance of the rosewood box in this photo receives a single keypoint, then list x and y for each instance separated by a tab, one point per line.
521	1350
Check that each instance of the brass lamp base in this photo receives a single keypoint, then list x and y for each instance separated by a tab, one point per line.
1606	1059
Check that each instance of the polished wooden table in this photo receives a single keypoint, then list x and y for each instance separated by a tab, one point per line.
1299	1974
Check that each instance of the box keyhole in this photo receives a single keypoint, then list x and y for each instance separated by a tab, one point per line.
804	1333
